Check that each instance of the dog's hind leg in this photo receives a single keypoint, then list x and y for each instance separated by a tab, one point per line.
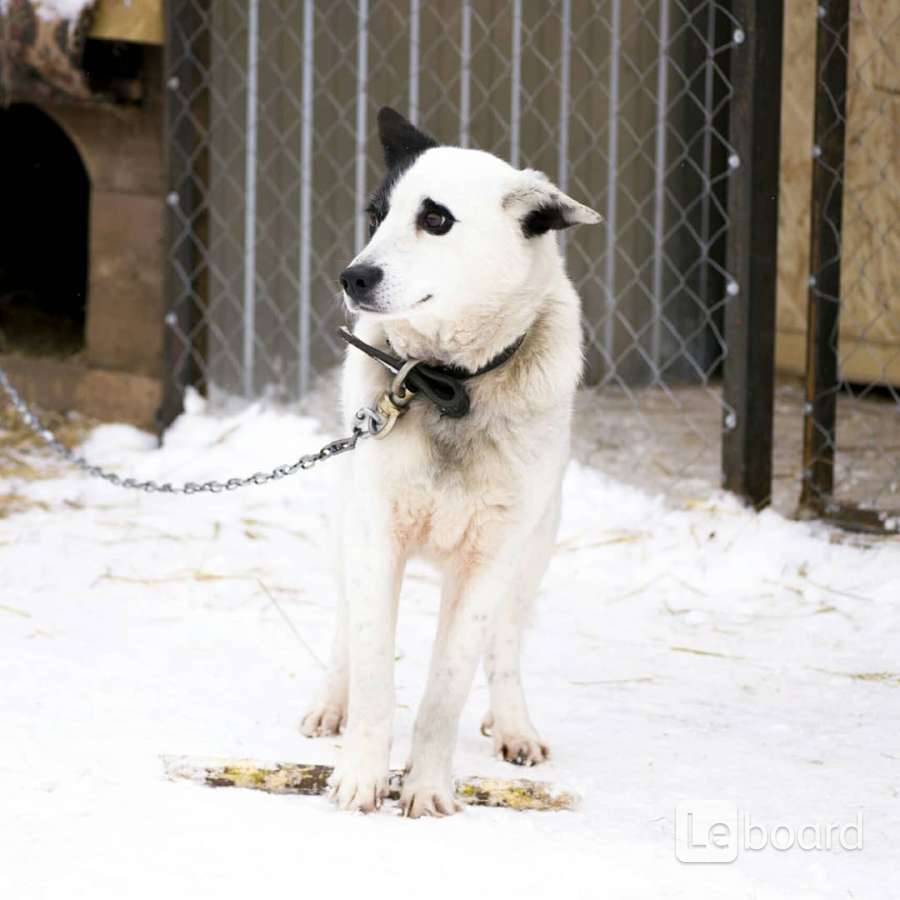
507	723
515	738
329	713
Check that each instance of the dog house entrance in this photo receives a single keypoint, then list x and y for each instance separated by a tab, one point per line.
43	236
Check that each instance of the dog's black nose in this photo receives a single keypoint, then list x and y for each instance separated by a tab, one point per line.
359	280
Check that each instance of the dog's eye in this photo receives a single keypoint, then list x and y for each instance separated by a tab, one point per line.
435	219
373	223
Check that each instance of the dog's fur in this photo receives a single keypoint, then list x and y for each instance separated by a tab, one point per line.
480	495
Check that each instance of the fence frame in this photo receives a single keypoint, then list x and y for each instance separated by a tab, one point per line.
180	141
748	388
822	383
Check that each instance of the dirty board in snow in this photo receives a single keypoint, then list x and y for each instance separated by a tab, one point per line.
312	780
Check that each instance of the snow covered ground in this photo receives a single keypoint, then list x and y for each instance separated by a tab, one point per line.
680	656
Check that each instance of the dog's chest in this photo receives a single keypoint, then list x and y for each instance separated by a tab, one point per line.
454	484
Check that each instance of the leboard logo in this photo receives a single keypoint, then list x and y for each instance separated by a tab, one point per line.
716	832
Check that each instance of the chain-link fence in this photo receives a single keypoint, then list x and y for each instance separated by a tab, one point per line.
661	114
273	151
851	453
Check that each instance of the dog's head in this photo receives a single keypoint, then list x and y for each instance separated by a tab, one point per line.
451	228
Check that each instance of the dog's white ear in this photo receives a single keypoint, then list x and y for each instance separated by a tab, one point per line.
541	206
401	140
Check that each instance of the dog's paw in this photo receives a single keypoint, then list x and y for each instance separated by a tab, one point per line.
521	747
322	720
521	751
357	791
423	796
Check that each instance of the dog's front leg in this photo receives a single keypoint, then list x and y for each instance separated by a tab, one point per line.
467	608
372	571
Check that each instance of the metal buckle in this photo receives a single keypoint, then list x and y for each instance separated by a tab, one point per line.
400	393
388	411
394	401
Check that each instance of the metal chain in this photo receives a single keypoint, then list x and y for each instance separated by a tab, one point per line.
369	423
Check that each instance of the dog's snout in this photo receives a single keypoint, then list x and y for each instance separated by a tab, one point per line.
358	281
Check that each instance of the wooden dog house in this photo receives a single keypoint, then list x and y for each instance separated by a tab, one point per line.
81	239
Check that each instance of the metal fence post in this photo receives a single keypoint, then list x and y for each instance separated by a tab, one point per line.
184	62
820	410
749	370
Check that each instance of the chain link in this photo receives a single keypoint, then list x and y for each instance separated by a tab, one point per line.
369	423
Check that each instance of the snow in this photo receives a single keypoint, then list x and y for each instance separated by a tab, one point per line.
61	9
679	655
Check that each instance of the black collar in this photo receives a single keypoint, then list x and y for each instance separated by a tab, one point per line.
442	385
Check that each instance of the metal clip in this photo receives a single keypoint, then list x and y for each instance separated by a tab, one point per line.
400	393
388	411
393	402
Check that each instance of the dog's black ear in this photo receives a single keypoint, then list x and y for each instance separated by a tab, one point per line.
544	218
401	140
543	207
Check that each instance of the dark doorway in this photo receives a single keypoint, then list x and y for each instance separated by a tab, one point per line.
44	197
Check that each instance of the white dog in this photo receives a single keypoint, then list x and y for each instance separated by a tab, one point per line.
462	271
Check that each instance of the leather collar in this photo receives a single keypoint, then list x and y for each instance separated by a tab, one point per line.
443	385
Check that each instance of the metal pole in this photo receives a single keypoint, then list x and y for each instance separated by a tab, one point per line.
414	61
708	104
515	100
564	78
306	130
612	164
180	140
249	335
564	88
465	63
362	65
752	254
824	299
659	187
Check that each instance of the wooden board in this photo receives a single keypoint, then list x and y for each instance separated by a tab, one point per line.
312	780
140	21
870	277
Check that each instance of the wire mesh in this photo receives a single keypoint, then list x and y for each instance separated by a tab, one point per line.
852	446
868	344
273	151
